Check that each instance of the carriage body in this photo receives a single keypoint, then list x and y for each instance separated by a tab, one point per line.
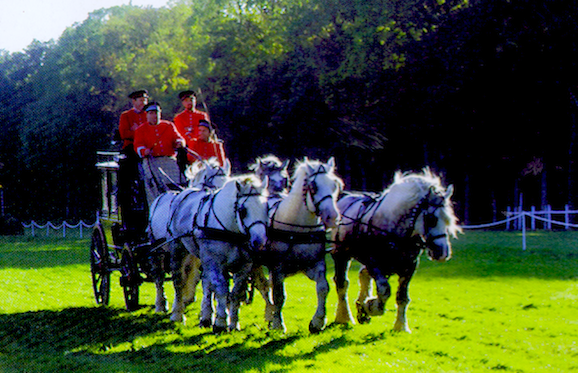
113	246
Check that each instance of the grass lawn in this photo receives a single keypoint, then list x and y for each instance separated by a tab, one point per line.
491	307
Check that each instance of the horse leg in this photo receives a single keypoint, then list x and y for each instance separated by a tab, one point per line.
374	306
219	282
277	279
207	304
343	312
180	275
193	269
402	299
158	275
317	274
264	287
238	294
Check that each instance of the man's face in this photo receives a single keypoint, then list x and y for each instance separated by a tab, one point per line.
139	103
153	117
204	133
188	102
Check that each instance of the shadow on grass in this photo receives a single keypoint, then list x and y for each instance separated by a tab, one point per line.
111	340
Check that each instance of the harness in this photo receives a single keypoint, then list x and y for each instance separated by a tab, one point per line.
315	233
370	204
222	233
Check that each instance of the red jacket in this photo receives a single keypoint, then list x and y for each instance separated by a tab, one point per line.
207	149
129	121
187	122
160	139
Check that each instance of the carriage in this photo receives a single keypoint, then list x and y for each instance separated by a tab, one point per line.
114	245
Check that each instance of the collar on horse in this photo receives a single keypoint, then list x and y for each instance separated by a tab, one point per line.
371	203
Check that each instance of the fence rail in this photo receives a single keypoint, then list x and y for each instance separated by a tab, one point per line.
63	226
517	220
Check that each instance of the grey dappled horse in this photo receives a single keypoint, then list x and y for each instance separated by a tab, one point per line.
223	229
202	176
386	233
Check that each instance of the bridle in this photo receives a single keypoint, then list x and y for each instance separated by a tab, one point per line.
309	189
208	182
241	211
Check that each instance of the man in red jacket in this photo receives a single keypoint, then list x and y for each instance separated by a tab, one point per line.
156	142
206	145
131	119
130	189
187	121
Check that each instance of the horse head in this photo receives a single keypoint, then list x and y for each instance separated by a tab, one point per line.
437	222
208	174
321	188
251	210
275	170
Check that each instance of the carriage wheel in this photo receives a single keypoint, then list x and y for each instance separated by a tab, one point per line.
99	266
130	279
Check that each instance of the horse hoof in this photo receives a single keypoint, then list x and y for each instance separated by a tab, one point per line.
313	329
219	329
178	318
362	316
277	326
205	323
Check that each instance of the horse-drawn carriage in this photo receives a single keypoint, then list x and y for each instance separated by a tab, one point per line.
114	245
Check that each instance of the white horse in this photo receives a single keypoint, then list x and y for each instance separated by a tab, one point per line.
202	176
223	229
386	233
274	171
297	235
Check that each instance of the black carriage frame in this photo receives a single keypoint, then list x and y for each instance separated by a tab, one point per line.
133	258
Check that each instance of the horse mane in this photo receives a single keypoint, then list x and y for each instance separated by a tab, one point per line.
409	188
302	171
269	160
247	181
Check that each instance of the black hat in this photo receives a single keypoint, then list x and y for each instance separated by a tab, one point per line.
185	94
152	106
205	123
140	93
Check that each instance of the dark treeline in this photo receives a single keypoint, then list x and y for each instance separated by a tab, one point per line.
480	91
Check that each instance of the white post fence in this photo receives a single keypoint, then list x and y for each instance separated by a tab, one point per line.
48	226
516	220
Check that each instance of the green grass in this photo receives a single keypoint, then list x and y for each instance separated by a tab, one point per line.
491	307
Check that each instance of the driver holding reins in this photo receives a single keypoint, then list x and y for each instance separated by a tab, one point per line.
156	142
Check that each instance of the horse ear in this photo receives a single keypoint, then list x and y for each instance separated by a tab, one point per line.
285	164
265	183
238	185
449	191
331	162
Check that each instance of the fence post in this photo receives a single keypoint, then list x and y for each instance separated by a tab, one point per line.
567	216
533	219
508	215
549	217
523	215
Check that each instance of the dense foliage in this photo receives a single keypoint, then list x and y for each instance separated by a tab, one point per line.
480	91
